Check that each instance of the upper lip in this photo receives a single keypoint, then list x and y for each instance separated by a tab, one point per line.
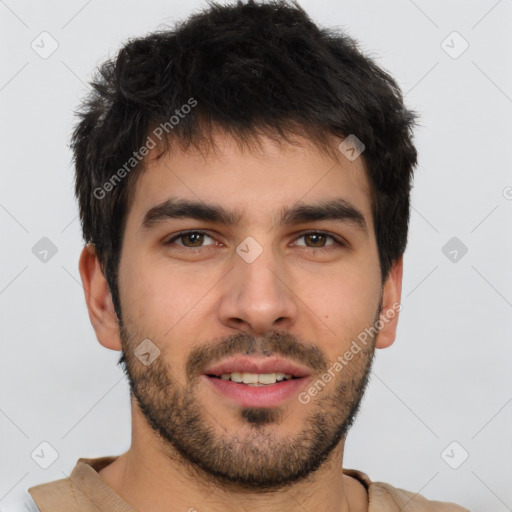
250	364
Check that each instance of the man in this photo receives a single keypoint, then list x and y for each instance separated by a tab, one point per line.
243	184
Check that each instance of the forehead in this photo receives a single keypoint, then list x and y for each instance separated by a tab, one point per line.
256	182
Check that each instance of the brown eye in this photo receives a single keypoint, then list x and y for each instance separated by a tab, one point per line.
192	239
317	240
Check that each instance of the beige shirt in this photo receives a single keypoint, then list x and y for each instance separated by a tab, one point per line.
85	491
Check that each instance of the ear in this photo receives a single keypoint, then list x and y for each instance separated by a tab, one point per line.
99	299
391	306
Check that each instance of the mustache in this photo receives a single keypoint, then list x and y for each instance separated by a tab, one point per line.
272	343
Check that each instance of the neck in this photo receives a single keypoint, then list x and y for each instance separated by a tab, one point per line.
152	477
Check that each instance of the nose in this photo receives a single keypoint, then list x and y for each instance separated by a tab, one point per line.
257	296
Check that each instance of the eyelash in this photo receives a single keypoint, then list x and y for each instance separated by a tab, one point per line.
336	241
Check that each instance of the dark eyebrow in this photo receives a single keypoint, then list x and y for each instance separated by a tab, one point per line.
336	209
182	209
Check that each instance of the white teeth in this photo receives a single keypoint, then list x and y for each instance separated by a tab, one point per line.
236	377
256	379
249	378
267	378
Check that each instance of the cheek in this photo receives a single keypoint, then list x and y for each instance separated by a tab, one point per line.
344	301
159	299
141	292
155	308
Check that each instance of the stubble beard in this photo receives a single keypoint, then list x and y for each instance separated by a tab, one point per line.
254	456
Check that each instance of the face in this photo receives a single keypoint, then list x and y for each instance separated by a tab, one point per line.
258	266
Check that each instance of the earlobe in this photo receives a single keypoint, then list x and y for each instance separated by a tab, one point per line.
99	299
391	306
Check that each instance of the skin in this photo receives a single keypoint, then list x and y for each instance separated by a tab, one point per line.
182	300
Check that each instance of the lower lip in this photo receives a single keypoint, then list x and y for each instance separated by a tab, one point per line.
261	396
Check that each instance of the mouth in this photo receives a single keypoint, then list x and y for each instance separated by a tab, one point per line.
255	379
256	382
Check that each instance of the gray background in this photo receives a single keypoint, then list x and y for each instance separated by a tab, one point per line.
448	376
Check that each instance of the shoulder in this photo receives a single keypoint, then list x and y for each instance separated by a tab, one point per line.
384	497
58	494
407	501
